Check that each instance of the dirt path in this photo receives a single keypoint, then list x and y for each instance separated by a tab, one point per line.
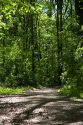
40	107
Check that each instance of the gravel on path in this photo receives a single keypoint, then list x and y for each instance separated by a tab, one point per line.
40	107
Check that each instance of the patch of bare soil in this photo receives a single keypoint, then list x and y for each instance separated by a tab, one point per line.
40	107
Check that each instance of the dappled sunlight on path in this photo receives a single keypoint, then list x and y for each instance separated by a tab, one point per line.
40	107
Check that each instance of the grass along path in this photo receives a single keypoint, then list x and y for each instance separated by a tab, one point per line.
17	90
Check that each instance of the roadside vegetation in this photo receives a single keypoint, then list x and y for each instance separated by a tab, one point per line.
41	44
14	91
71	91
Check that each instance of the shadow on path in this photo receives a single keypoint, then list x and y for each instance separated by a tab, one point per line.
41	107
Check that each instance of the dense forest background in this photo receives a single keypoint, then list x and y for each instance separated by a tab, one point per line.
41	43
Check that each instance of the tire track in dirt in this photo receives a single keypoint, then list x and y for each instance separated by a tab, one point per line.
40	107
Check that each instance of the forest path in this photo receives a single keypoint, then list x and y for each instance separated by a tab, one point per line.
40	107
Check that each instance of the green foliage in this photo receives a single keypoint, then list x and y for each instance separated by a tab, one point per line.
10	91
29	50
72	54
79	53
71	91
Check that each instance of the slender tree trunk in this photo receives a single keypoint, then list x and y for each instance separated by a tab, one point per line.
59	40
34	41
32	47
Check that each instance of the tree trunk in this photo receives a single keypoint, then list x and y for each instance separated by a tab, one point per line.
59	40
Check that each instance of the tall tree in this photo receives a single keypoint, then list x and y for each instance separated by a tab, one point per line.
59	26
